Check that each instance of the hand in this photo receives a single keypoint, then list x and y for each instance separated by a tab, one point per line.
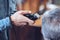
19	20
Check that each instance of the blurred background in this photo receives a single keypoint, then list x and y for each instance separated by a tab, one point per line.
32	32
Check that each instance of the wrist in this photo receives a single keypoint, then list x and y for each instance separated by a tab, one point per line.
11	20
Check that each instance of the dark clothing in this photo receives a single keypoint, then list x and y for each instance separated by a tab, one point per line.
6	8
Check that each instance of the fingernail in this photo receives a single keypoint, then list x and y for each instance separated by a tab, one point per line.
29	11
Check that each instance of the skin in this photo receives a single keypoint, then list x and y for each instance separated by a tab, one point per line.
18	19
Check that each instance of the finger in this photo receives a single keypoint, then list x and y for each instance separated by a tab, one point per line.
24	12
23	23
27	20
30	22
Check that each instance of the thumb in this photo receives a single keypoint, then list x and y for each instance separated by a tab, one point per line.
24	12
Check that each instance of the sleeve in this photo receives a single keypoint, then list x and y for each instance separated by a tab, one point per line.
5	23
12	6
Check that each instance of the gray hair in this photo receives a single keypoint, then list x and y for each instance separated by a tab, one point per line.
51	25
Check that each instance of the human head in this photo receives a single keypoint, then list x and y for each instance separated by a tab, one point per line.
51	25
